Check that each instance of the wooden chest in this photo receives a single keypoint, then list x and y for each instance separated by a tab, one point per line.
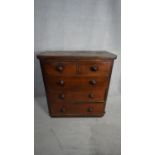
76	82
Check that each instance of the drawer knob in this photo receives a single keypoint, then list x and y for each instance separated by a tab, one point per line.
90	109
61	82
93	82
91	95
62	110
60	68
62	96
93	68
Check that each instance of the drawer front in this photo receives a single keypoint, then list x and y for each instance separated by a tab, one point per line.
95	68
77	96
77	109
90	68
76	83
59	68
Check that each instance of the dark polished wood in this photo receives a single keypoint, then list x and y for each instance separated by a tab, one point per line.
76	82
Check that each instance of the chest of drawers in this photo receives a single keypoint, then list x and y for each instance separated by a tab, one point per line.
76	82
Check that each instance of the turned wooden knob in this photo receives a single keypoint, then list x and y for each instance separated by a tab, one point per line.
93	68
59	68
91	95
93	82
61	82
90	109
62	96
62	109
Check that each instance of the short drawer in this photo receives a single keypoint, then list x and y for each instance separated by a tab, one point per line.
77	109
76	83
58	68
95	68
77	96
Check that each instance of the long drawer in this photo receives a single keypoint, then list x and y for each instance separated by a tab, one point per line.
76	83
77	109
76	96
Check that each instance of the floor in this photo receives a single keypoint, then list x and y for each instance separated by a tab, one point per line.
78	136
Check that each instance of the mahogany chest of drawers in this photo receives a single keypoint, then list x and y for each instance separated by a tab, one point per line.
76	82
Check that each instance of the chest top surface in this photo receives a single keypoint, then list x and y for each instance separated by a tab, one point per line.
77	55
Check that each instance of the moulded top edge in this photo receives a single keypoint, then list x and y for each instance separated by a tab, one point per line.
77	54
